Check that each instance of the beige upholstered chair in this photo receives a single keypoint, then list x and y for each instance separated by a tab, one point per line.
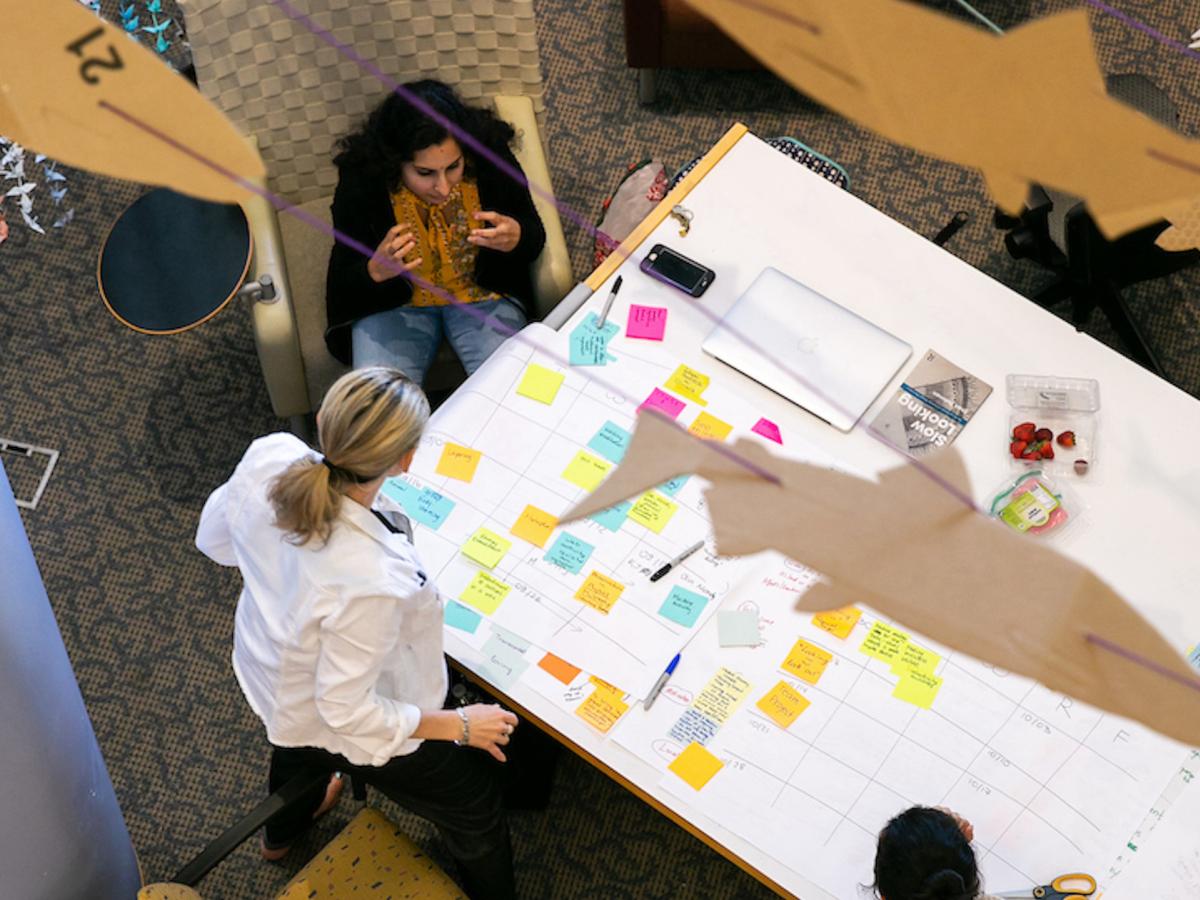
296	96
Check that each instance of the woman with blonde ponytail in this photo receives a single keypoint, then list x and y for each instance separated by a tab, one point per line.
338	631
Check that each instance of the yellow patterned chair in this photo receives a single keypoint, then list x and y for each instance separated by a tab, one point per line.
369	858
295	96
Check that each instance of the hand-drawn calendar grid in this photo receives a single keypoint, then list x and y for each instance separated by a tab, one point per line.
525	447
1049	784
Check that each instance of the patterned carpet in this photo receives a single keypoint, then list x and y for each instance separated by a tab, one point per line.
147	426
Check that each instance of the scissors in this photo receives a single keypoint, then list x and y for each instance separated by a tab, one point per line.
1074	886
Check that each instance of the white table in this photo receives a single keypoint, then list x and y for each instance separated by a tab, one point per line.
1141	524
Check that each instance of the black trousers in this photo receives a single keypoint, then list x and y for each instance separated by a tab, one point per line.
459	789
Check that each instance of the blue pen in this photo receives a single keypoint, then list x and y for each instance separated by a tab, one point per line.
661	683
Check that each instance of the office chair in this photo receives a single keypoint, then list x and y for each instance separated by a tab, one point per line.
1056	231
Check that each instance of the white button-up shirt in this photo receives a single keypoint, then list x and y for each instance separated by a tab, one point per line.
336	645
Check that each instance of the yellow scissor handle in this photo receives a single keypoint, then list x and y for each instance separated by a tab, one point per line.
1075	884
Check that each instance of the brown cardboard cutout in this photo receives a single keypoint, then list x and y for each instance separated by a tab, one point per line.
66	78
1028	106
919	555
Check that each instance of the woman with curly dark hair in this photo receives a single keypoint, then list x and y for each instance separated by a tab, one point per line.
925	853
432	207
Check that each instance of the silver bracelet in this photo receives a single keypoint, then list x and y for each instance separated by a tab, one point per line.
466	724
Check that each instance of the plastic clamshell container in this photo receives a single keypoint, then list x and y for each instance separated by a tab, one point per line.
1060	404
1033	503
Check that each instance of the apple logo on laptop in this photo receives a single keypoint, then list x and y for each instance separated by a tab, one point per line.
808	345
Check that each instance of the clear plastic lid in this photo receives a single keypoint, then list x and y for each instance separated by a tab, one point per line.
1050	392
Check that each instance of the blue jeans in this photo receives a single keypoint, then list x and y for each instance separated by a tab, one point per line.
408	337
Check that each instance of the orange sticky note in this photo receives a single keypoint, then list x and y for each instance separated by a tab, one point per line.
710	427
458	462
838	622
783	703
559	668
696	766
599	592
602	708
807	661
534	525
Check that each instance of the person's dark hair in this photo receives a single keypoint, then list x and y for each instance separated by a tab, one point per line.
395	131
923	855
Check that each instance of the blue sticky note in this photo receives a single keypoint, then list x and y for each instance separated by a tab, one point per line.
569	552
613	517
589	344
672	487
425	505
610	441
683	606
462	617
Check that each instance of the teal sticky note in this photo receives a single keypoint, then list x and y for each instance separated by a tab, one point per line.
589	344
738	628
503	660
569	552
462	617
613	517
611	442
425	505
683	606
672	487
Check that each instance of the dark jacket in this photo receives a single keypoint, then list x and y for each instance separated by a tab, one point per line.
362	210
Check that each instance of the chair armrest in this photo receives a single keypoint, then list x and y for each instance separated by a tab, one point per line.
552	277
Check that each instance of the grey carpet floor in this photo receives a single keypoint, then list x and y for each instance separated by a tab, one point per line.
147	426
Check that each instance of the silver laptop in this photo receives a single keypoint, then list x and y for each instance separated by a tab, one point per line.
834	362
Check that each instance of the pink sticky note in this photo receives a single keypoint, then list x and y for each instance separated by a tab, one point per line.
664	403
768	429
646	322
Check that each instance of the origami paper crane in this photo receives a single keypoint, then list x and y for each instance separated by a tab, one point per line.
921	556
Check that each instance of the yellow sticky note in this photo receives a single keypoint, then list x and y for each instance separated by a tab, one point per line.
486	547
586	471
485	592
653	510
602	708
458	462
913	658
695	765
540	383
599	592
918	688
688	383
807	661
722	695
534	526
710	427
838	622
782	704
884	642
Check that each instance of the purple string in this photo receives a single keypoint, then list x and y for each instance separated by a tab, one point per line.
1144	28
1193	682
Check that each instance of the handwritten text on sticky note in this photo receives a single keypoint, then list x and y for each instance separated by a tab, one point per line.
602	709
486	547
722	695
653	510
683	606
884	642
586	471
458	462
534	526
425	505
664	403
646	322
613	517
710	428
806	661
688	383
782	704
599	592
918	688
838	622
589	344
611	442
485	592
569	552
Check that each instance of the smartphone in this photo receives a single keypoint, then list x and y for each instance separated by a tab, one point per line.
677	270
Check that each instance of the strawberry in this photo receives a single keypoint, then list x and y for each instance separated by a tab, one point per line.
1044	434
1024	432
1016	448
1048	451
1066	439
1031	453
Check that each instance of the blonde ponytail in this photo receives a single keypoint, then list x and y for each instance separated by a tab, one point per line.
368	421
